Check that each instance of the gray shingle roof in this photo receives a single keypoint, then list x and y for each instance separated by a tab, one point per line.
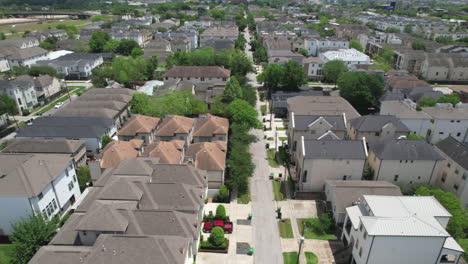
404	149
334	149
456	150
301	122
375	123
60	146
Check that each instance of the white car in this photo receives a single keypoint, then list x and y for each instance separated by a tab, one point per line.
58	105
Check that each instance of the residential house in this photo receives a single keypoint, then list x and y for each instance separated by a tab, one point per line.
445	68
350	57
168	152
4	65
76	45
418	122
343	194
314	45
20	43
376	127
198	74
139	127
209	128
453	174
75	65
22	57
210	157
76	149
313	68
22	91
89	129
280	100
410	87
281	57
219	33
399	229
42	35
208	92
446	121
404	161
47	87
35	184
174	127
321	160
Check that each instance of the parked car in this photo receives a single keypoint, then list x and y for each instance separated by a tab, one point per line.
58	105
225	225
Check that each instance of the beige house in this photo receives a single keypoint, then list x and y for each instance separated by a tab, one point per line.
174	127
321	160
404	161
210	128
376	127
168	152
198	74
139	127
453	174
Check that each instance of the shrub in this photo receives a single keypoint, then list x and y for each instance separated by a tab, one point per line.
223	195
220	212
208	245
26	112
217	237
322	225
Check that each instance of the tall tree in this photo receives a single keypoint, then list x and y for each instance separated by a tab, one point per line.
333	69
294	75
271	77
354	44
362	90
240	64
241	112
126	46
29	235
233	90
7	105
98	41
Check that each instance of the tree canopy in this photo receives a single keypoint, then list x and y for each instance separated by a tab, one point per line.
418	45
233	90
241	112
7	105
354	44
271	76
362	90
288	76
333	69
97	41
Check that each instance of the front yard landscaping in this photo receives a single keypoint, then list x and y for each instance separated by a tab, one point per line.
244	198
290	257
279	190
316	228
271	158
311	258
285	228
6	250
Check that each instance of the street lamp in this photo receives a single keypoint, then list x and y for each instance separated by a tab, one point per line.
301	242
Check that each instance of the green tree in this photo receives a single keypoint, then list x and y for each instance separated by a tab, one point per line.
239	63
84	176
426	102
368	173
271	77
111	45
137	52
2	36
217	14
216	237
362	90
220	212
98	41
29	235
444	39
418	45
233	90
392	30
127	69
241	112
105	140
333	69
7	105
452	98
294	75
98	78
354	44
141	103
126	46
260	55
408	29
459	221
223	195
414	136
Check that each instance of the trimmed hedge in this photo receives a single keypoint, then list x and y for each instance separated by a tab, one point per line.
208	245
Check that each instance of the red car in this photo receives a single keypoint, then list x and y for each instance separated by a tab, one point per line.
225	225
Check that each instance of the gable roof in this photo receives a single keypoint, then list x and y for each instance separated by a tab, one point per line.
168	152
139	124
59	146
207	156
210	125
116	151
321	105
404	149
455	150
198	71
334	149
221	31
302	122
174	124
375	123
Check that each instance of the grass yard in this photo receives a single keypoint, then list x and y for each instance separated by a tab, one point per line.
72	89
290	257
5	253
281	128
263	109
42	26
464	244
310	234
244	198
279	190
311	258
271	158
285	228
283	138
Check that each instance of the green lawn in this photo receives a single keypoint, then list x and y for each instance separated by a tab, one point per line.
72	89
285	228
280	128
283	138
42	26
464	244
290	257
309	234
311	258
271	158
263	109
279	190
244	198
5	253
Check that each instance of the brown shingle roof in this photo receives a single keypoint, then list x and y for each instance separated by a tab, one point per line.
221	31
139	124
198	71
168	152
210	125
207	156
174	124
117	151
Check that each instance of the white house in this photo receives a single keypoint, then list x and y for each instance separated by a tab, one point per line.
447	121
4	65
404	161
453	174
321	160
399	229
313	46
418	122
22	91
350	57
33	184
313	68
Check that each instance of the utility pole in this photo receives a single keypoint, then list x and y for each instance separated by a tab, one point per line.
301	242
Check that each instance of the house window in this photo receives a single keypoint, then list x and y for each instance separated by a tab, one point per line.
40	196
448	165
441	133
360	252
456	171
419	177
344	178
395	178
365	234
377	134
312	131
458	134
444	176
70	185
304	176
224	79
66	172
401	161
202	79
455	186
74	178
357	243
